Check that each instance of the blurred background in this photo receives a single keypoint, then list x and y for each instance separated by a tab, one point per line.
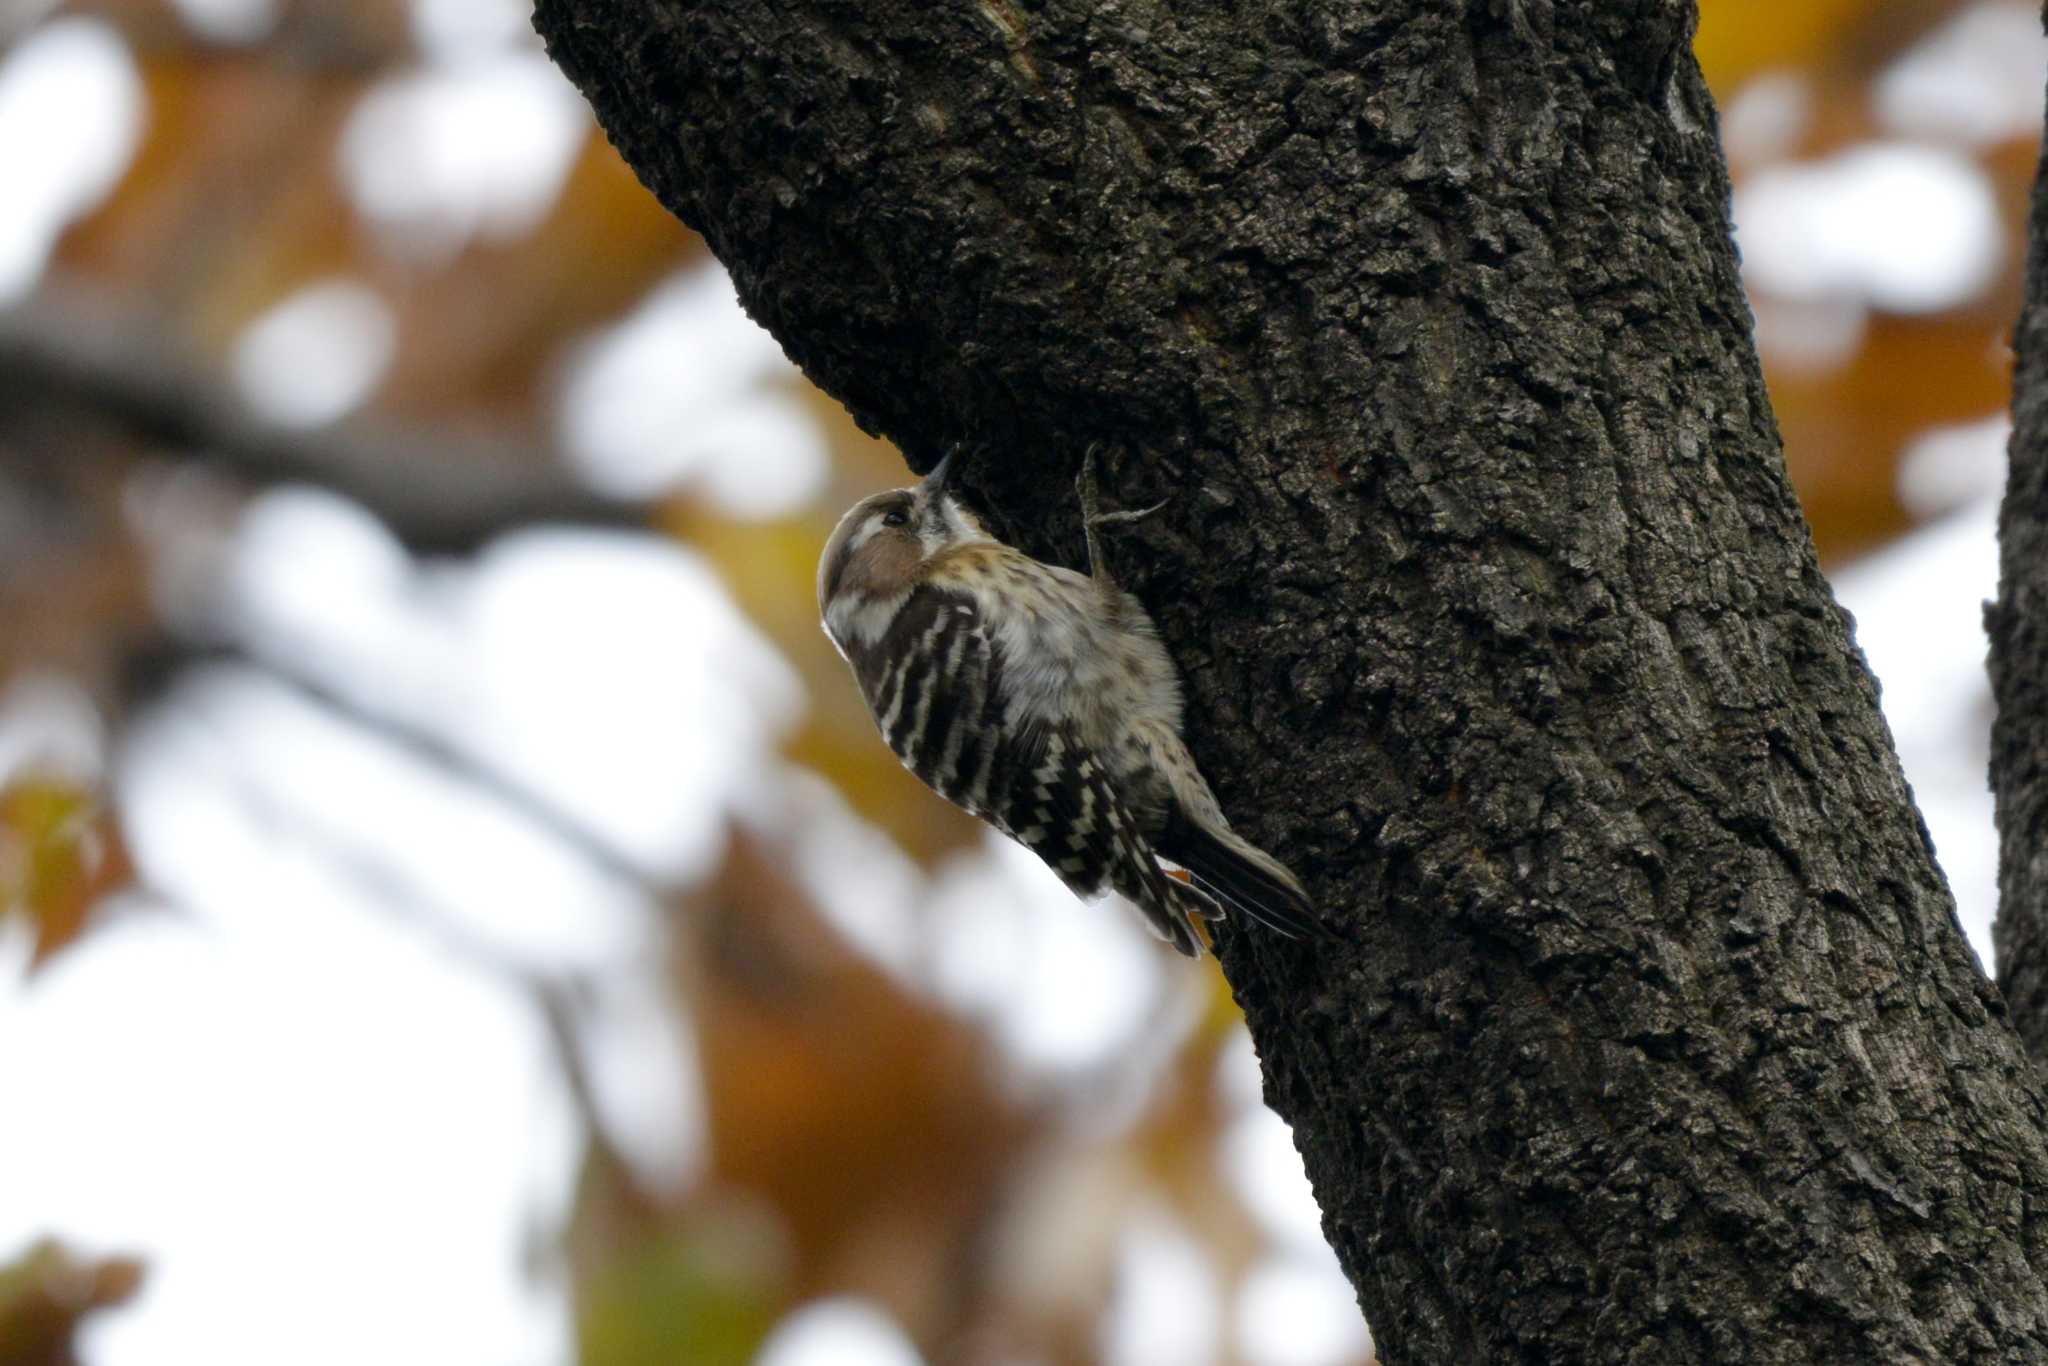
453	908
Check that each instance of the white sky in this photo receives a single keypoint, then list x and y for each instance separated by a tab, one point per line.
1919	618
274	1122
316	354
1974	80
1897	225
689	391
71	114
463	149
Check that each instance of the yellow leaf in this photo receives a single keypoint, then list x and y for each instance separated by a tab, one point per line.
59	854
1739	38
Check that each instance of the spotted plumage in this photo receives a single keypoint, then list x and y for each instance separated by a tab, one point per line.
1040	700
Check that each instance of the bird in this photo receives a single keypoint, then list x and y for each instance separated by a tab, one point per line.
1041	700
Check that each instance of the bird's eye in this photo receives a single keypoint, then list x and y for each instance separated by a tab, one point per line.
896	517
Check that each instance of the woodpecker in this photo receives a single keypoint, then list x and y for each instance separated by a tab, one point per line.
1042	701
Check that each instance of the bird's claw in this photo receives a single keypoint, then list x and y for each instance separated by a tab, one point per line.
1087	488
1129	518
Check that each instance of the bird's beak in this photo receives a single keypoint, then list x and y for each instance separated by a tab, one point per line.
936	482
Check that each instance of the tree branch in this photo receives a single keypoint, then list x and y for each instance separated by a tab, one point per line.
438	491
1655	1038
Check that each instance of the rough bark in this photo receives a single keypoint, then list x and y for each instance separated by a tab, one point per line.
2018	625
1654	1037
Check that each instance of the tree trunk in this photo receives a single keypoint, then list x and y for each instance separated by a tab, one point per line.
1653	1037
2018	624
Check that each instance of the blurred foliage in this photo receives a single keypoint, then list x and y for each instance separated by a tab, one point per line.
863	1139
698	1292
60	854
48	1292
1742	39
1847	422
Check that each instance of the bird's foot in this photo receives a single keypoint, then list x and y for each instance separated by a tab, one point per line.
1088	489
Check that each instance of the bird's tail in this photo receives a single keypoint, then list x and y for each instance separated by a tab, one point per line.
1240	876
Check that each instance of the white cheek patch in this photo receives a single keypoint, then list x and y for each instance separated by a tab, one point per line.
846	541
855	623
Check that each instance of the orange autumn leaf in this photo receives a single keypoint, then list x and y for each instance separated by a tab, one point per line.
47	1294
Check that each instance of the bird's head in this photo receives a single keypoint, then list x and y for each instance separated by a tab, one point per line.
876	552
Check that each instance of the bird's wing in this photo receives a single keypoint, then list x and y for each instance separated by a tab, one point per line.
935	682
934	686
1061	806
